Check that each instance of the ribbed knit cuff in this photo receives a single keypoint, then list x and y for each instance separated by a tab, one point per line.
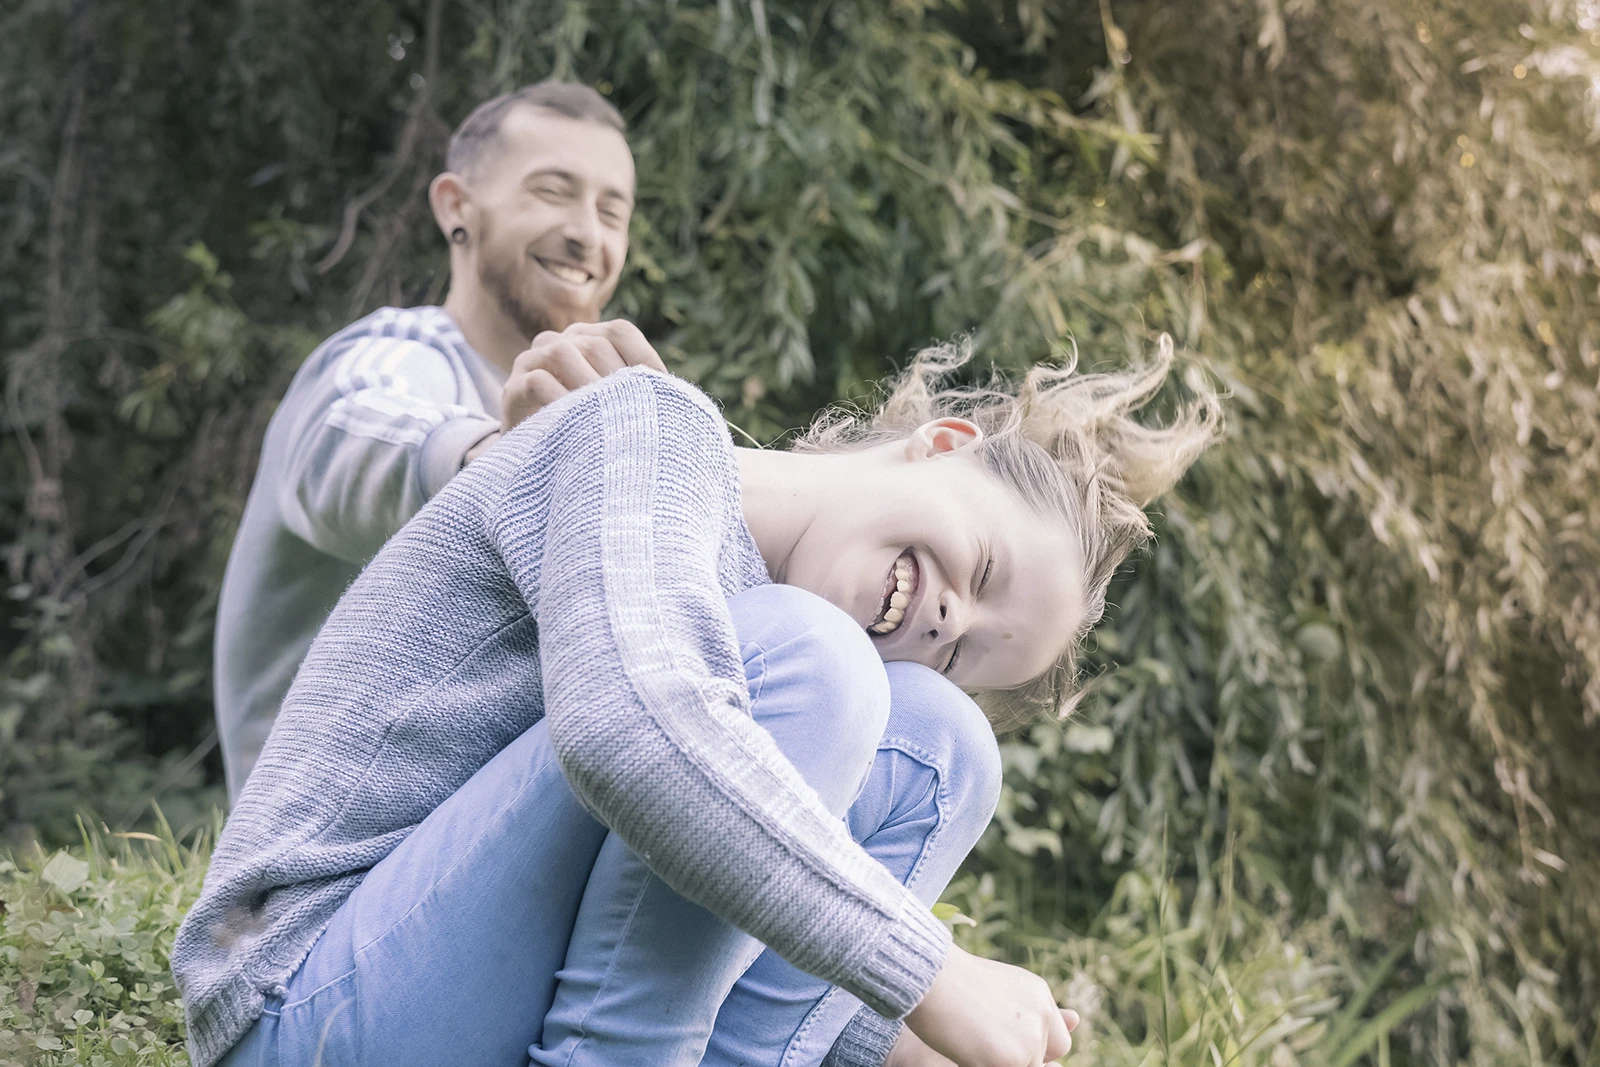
896	975
446	446
227	1015
864	1042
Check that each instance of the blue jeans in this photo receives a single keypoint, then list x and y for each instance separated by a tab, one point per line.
511	928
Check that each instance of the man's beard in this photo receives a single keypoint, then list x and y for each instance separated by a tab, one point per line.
499	280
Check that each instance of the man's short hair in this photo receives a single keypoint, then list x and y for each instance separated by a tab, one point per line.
475	136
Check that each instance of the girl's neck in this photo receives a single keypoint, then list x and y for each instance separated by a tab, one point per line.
780	492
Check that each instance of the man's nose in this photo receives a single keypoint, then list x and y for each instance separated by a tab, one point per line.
582	228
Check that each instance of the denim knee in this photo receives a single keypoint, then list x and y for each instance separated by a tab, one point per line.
929	713
816	684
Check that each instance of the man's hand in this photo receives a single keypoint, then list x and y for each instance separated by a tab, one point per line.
557	363
980	1013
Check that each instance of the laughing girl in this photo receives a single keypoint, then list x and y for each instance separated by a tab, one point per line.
636	748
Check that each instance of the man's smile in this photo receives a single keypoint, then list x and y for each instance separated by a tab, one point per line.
566	272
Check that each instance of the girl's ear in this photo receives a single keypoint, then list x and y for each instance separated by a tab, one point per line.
942	437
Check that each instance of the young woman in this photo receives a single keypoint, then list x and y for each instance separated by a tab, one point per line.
636	748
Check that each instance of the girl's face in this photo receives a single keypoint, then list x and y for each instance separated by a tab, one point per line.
941	562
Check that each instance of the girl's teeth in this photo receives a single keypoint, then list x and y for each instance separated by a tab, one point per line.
899	599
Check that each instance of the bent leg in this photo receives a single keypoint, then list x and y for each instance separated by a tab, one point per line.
646	968
932	790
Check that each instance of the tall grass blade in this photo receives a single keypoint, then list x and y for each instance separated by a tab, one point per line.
1385	1021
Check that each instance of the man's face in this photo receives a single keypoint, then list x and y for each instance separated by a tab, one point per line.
554	196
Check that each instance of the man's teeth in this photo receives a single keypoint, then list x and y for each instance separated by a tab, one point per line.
567	274
897	599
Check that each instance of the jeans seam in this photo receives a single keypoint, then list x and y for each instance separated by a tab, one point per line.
287	1011
941	803
941	798
805	1027
311	995
761	681
583	1022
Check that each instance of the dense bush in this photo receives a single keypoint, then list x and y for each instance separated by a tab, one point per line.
1340	782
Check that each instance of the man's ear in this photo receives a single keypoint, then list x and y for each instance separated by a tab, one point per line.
942	437
452	203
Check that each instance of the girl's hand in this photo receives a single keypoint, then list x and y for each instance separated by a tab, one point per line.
980	1013
911	1051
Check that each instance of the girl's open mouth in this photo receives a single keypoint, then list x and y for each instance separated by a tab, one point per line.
899	587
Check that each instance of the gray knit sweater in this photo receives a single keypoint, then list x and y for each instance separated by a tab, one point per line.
578	571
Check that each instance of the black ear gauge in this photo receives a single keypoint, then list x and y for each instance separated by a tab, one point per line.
458	235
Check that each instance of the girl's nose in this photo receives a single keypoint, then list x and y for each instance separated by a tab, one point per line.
952	619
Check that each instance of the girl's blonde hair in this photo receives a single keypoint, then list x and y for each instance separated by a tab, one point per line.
1068	444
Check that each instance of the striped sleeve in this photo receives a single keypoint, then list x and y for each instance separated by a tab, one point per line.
646	698
380	430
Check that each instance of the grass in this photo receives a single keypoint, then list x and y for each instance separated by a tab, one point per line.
85	935
1207	984
84	939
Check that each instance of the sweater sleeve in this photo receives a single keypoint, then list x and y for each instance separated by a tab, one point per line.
646	697
382	432
865	1041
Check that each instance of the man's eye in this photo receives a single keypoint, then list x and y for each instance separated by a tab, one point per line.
987	567
955	654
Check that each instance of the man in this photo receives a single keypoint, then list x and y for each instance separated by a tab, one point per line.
535	202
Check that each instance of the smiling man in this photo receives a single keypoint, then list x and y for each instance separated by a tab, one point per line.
535	203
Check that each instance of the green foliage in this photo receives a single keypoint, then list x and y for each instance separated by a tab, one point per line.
85	933
84	938
1336	785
